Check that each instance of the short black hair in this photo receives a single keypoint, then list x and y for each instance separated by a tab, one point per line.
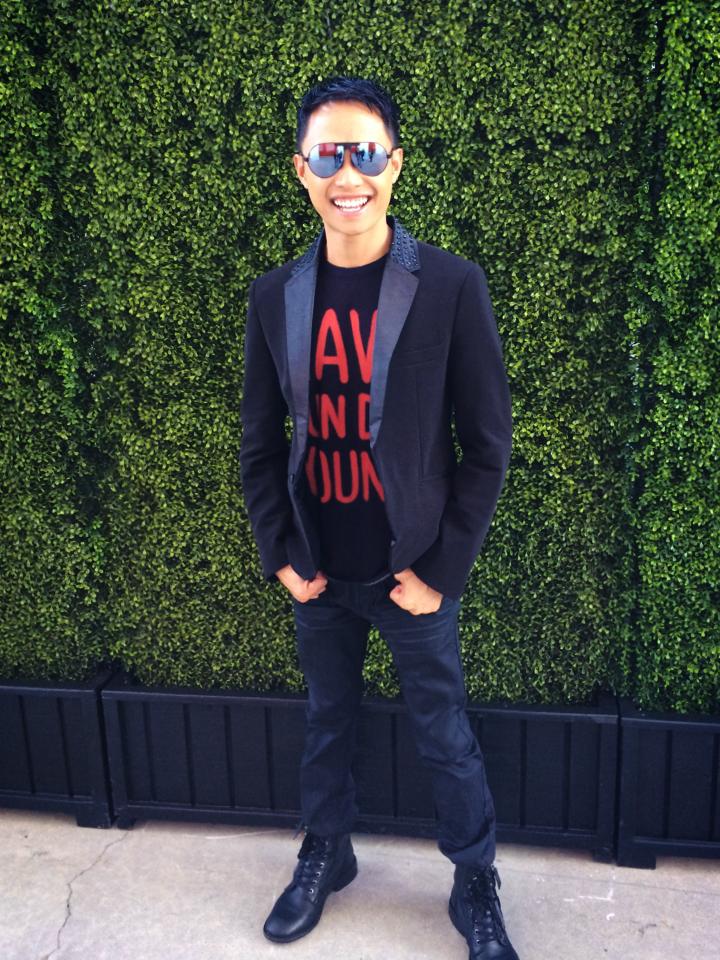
360	89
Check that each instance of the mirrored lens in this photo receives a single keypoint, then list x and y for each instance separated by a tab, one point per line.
370	158
325	159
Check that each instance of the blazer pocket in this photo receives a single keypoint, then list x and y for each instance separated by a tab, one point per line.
418	354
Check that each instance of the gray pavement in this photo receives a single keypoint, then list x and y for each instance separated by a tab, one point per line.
181	891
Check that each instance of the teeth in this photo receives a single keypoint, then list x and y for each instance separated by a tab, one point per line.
351	204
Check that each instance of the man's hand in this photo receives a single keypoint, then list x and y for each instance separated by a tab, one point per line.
302	590
413	595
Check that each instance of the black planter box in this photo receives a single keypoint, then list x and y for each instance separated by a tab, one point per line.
669	800
180	753
233	756
553	773
52	754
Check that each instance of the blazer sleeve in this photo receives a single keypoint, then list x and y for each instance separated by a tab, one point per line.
481	402
264	449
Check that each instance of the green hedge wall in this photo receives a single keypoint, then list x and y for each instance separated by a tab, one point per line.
146	179
676	329
51	545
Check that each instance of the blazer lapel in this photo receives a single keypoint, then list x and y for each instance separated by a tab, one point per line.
397	291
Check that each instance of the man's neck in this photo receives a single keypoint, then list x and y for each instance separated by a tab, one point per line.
354	251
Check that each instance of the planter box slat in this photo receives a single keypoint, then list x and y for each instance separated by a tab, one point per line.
251	773
168	755
501	740
286	726
651	786
690	812
585	740
208	756
45	737
16	775
137	765
546	773
77	751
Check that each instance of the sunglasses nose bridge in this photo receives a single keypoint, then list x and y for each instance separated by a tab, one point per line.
347	165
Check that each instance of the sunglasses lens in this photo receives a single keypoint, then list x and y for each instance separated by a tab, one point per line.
325	159
370	158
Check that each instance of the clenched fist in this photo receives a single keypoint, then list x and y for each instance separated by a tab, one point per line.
302	590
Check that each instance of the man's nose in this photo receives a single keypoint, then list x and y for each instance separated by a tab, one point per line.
347	173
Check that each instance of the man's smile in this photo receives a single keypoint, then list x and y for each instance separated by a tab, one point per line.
350	205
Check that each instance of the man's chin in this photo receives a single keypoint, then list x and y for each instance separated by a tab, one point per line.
352	228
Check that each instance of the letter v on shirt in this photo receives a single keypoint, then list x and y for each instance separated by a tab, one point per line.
345	492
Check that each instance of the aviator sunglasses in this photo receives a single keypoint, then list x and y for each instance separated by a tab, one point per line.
368	157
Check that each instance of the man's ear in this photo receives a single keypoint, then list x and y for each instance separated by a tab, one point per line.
299	165
397	161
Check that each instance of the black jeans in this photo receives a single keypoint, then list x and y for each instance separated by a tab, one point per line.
332	633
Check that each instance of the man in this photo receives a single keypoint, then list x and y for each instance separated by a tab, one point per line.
371	341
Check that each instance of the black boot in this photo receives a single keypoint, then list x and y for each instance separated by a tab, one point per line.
326	864
475	910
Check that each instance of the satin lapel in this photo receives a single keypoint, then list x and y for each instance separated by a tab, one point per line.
397	291
299	302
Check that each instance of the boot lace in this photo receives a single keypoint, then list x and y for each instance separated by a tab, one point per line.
487	916
313	857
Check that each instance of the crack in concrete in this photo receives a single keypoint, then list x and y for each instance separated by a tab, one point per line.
68	910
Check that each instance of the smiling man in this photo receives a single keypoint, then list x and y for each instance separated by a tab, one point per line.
373	341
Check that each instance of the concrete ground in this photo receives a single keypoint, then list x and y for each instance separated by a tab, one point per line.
180	891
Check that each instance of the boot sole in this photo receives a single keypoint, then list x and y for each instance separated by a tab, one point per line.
343	879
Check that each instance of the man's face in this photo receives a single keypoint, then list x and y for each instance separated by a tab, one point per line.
348	121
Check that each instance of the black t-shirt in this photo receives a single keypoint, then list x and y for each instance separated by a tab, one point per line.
346	494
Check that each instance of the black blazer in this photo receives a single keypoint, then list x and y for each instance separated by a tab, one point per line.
437	353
